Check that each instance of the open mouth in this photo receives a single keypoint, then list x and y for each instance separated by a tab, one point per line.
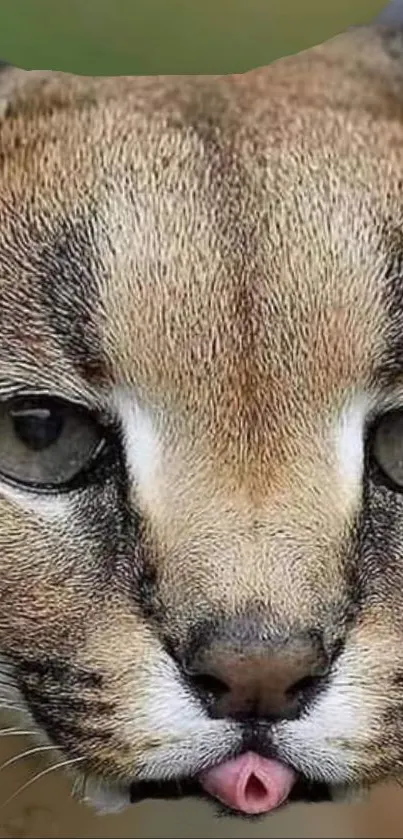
248	785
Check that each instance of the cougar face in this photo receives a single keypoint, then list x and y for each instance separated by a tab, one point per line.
201	417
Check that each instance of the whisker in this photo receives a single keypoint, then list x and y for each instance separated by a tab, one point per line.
78	787
11	706
29	752
7	671
10	699
9	694
8	706
38	776
7	687
8	732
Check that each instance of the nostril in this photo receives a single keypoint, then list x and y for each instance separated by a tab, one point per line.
209	686
307	686
305	690
303	686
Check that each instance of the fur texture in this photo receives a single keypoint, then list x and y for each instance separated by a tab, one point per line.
212	266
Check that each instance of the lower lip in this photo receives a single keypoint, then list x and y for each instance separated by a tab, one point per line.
303	790
164	790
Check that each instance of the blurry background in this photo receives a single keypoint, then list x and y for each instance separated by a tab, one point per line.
169	36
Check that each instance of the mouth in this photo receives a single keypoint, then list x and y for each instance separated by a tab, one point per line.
262	785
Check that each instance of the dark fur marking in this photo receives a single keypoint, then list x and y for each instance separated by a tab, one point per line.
253	629
58	670
68	717
146	591
390	366
69	267
64	730
69	703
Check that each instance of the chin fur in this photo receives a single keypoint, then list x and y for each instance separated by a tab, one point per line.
102	797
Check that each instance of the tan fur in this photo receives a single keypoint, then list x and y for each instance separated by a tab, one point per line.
242	228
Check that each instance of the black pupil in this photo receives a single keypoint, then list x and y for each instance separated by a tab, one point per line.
37	428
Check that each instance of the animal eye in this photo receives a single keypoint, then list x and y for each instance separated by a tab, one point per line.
45	443
387	447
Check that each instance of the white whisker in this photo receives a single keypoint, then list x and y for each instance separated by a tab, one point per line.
38	776
15	732
10	697
22	755
11	706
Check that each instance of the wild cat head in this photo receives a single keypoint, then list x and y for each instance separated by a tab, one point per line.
201	422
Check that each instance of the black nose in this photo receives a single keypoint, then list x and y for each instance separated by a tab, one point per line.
248	677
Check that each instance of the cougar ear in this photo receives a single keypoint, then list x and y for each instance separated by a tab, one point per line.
7	81
12	81
391	15
19	88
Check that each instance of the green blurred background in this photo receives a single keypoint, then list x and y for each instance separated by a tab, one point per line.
167	36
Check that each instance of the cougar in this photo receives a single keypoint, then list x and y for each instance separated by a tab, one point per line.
201	425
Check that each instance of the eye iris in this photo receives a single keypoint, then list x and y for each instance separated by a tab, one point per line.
387	447
37	428
46	442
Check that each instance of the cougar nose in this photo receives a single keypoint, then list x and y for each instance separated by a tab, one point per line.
258	679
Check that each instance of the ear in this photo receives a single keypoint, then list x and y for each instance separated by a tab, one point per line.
365	65
391	15
17	86
7	83
388	29
31	92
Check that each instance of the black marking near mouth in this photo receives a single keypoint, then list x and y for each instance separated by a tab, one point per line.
255	739
310	791
303	791
173	789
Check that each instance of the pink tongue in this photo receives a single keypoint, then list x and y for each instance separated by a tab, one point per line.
249	783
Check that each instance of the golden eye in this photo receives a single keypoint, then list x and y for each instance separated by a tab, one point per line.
45	443
387	446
